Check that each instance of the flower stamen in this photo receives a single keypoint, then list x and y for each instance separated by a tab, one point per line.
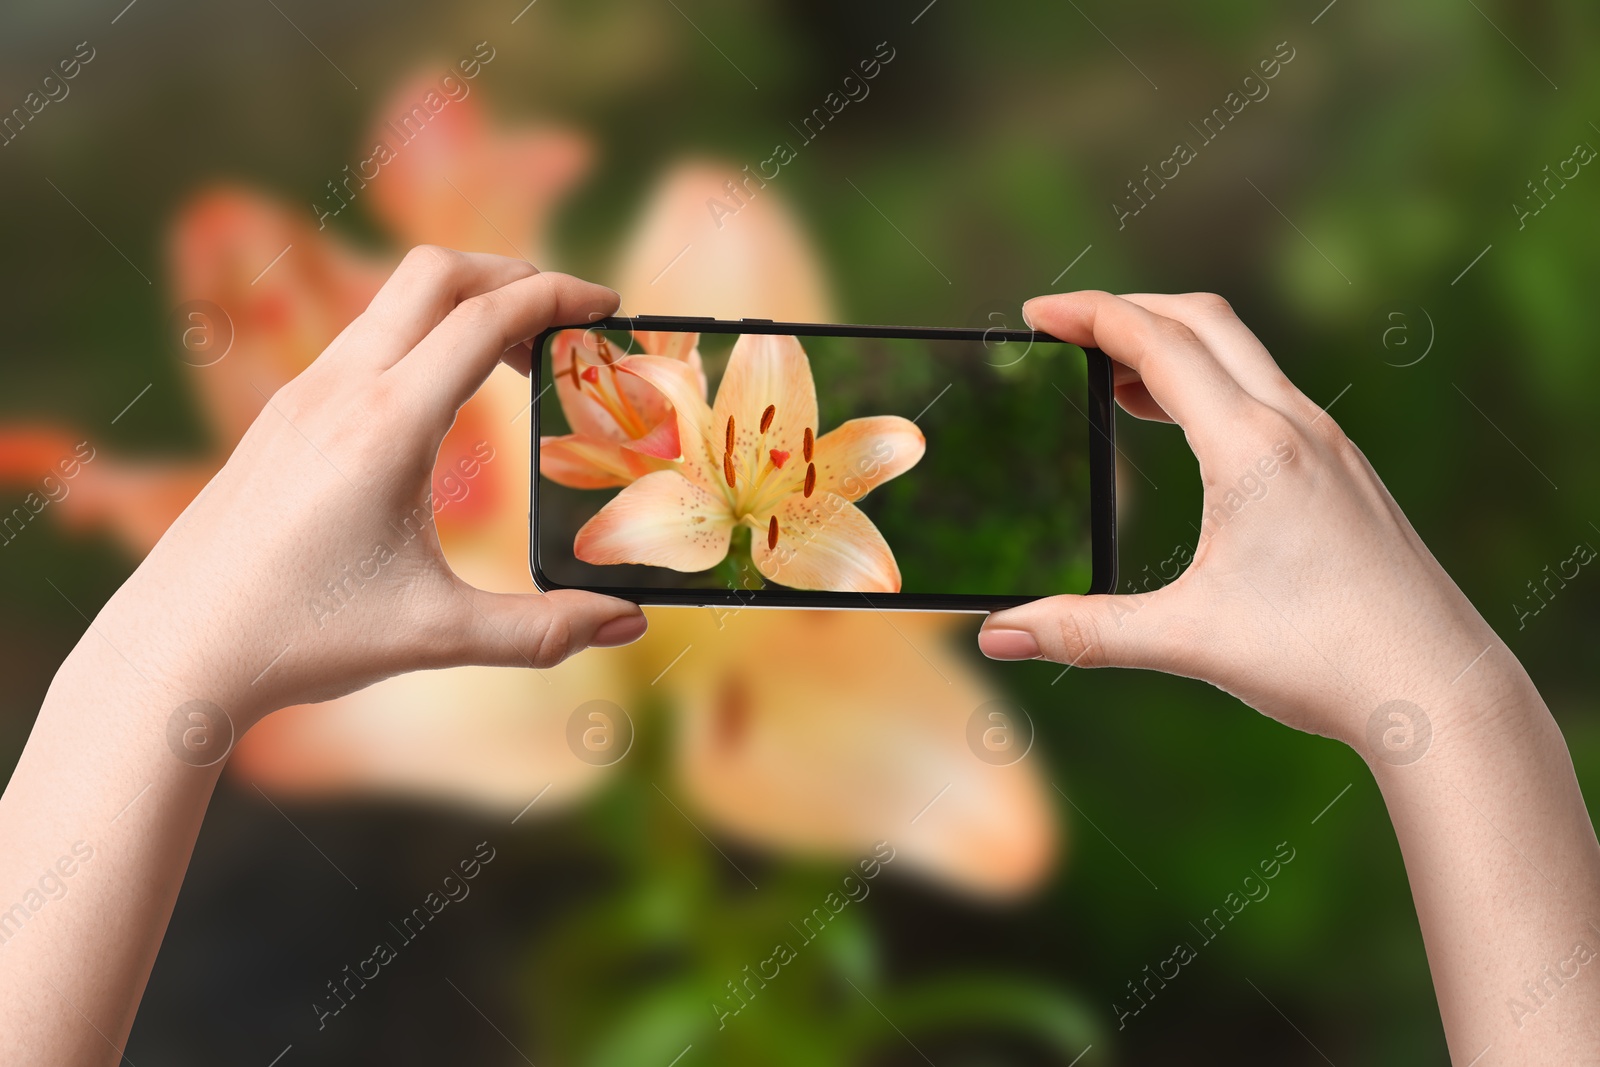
772	533
766	417
811	478
808	445
633	421
615	401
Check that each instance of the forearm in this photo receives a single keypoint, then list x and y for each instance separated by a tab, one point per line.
1504	870
96	828
123	759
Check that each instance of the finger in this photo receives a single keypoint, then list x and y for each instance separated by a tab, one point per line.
449	365
538	629
1230	340
425	288
1137	401
1086	631
339	339
1182	376
519	358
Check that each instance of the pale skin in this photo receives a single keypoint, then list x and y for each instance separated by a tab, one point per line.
338	462
1316	603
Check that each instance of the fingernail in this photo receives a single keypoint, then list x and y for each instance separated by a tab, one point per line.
619	631
1008	644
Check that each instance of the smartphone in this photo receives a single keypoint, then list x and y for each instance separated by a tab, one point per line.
698	461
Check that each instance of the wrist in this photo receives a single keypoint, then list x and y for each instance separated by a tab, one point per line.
1491	707
155	692
191	646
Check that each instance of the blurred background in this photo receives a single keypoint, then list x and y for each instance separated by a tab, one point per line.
1403	211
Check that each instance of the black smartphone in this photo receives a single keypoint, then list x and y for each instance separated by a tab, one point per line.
712	462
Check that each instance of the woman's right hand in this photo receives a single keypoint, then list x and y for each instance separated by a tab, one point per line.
1309	595
1313	600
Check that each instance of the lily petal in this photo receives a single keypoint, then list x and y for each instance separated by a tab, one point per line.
484	737
826	542
278	320
862	454
31	452
684	389
662	442
683	347
764	370
135	499
584	412
823	732
581	462
663	520
760	262
445	170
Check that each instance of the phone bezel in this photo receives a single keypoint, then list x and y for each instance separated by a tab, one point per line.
1102	471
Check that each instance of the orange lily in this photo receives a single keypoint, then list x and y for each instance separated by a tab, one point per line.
767	470
851	727
621	426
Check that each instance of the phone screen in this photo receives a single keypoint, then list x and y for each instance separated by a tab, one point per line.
946	468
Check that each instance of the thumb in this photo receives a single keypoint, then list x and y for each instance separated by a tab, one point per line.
541	629
1084	631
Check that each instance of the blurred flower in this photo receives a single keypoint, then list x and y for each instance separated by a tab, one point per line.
809	533
277	326
818	732
825	731
758	263
470	183
621	429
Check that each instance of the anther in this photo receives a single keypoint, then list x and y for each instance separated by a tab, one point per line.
808	444
811	478
772	533
728	445
766	417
